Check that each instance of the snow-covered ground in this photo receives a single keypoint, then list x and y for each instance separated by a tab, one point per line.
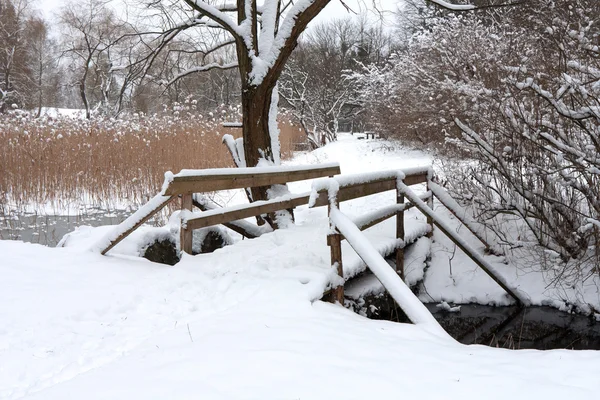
245	322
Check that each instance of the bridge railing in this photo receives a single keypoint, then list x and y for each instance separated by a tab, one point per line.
187	184
333	191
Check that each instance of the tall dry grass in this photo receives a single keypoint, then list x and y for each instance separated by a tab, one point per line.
106	162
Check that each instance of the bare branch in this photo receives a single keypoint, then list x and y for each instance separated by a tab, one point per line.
202	68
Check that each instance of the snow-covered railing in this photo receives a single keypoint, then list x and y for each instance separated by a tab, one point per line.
187	183
475	227
521	298
332	191
400	292
190	182
133	222
350	187
219	216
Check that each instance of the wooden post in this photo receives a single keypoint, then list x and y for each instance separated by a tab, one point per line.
186	234
334	241
400	234
430	205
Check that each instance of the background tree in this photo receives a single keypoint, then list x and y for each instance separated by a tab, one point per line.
42	54
15	71
316	83
90	30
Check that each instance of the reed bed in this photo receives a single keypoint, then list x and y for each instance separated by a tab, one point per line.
58	162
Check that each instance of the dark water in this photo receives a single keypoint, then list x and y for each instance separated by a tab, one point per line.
542	328
49	229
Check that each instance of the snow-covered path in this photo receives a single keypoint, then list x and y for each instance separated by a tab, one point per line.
242	323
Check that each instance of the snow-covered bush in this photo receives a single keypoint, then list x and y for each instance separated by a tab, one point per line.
538	154
516	90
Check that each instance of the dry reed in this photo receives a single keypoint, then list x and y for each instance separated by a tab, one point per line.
59	162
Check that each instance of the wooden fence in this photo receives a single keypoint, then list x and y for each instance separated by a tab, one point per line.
188	184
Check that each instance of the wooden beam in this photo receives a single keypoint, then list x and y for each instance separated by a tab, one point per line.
415	179
354	191
141	220
186	233
244	179
451	205
376	217
334	242
464	246
242	227
216	217
429	218
335	245
365	222
400	234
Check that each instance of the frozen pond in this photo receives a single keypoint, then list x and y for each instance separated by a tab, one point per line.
49	229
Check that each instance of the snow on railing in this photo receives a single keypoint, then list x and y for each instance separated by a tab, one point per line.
251	171
520	297
341	188
476	228
410	304
343	228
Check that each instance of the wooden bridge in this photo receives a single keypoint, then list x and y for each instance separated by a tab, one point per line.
330	190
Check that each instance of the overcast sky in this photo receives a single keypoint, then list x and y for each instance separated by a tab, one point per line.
333	10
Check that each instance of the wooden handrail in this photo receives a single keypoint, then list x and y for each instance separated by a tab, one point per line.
190	181
226	215
134	221
348	192
520	298
356	190
367	221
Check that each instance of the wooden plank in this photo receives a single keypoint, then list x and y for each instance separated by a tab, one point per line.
217	217
415	179
242	227
354	191
186	233
391	212
211	183
335	246
429	218
404	297
447	201
142	221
